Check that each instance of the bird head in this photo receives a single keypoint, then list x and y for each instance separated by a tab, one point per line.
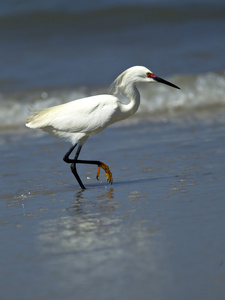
142	74
135	75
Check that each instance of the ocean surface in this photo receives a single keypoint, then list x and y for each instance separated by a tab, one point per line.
57	51
158	231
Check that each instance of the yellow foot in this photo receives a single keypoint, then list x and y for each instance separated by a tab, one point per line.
107	172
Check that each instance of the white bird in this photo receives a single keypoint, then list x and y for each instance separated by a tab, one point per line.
78	119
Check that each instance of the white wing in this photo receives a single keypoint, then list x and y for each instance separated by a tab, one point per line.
88	115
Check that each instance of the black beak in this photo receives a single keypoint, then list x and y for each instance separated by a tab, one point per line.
158	79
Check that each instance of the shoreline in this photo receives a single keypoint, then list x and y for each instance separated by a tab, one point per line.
158	225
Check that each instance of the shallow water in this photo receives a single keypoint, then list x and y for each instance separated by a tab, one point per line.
158	230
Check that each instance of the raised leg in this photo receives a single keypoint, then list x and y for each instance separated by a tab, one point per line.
91	162
66	156
100	164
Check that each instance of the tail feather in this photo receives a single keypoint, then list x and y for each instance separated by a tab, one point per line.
38	119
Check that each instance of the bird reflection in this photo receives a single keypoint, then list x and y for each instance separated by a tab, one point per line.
82	204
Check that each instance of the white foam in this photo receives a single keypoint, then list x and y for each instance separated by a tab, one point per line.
203	92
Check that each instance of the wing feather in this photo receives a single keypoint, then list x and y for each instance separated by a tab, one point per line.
88	115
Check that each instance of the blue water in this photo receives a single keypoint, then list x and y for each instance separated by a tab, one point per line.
14	7
75	49
157	232
73	43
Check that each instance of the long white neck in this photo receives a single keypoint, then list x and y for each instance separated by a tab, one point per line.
132	93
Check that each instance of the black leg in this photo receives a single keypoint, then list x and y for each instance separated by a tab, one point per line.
75	161
66	156
74	169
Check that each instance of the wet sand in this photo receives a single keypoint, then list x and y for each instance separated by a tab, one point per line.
156	233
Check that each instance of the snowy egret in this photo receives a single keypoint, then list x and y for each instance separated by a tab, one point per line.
78	119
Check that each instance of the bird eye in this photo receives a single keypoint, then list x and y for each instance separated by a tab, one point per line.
150	75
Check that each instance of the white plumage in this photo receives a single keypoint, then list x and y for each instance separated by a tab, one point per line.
78	119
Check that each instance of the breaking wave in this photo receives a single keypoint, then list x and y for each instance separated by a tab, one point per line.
199	93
